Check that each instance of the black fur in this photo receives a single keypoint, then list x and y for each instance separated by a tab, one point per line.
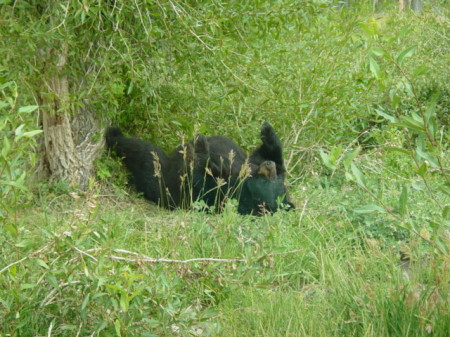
257	191
203	169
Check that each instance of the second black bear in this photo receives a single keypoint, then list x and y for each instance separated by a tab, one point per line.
209	169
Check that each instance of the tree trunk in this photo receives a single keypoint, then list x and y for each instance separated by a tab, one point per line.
68	146
402	5
416	5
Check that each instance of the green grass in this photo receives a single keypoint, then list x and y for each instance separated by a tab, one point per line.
312	272
107	264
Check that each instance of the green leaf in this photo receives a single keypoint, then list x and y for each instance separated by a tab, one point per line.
446	212
377	51
404	54
434	163
445	188
6	147
3	104
390	118
403	200
27	286
117	327
42	263
442	245
370	209
410	123
31	134
85	302
124	302
358	175
395	99
422	169
421	70
335	153
326	160
397	149
137	292
28	109
18	132
431	108
7	84
115	287
349	156
374	68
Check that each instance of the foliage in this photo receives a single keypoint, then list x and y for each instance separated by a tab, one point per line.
163	68
424	146
360	98
16	157
80	265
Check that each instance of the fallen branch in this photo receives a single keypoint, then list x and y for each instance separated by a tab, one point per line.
143	258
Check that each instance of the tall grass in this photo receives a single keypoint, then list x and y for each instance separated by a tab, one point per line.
81	265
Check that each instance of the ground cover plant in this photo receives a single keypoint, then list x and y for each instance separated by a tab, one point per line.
359	98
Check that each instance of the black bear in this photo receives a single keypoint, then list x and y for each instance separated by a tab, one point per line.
210	169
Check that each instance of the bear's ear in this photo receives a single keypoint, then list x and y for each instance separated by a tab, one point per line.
112	134
201	144
201	152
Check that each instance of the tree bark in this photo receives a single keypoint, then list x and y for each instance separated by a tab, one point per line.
415	5
68	145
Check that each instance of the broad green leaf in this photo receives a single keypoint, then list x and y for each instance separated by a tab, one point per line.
115	287
124	302
52	280
421	70
397	149
6	147
335	153
395	99
390	118
431	108
358	175
16	184
403	200
374	68
117	327
137	292
350	156
404	54
7	84
445	188
368	28
434	163
442	245
326	160
27	286
417	118
422	169
31	134
85	301
11	229
28	109
417	187
370	209
18	131
377	51
410	123
42	263
446	212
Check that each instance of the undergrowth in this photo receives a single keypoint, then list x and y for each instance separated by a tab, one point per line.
97	264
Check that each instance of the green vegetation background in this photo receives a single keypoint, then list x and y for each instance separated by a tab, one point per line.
360	97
